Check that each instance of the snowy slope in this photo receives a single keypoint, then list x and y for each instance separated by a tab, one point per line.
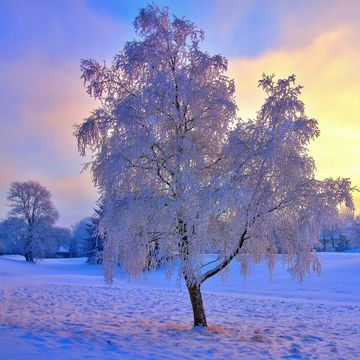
61	309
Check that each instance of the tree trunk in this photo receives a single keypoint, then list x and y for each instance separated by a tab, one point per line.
197	305
29	256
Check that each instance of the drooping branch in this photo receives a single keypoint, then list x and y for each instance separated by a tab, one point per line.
226	261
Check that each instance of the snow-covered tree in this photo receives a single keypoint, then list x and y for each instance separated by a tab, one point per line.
355	233
12	232
31	203
63	236
177	168
60	240
79	244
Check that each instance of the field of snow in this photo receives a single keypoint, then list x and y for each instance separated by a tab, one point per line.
61	309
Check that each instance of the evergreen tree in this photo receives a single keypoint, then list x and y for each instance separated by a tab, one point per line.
95	239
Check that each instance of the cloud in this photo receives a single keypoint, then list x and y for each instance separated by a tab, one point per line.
328	69
251	28
303	21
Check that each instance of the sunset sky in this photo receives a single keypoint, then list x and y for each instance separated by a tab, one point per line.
42	97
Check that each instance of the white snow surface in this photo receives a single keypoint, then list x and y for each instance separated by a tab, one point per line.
61	309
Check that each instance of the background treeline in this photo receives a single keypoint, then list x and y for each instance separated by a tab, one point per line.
83	239
28	230
56	241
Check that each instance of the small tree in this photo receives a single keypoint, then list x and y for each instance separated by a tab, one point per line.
80	234
31	202
96	238
177	168
355	233
63	236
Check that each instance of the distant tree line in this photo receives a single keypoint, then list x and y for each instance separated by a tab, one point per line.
29	229
343	234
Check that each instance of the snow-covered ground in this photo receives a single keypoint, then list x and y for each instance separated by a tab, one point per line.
61	309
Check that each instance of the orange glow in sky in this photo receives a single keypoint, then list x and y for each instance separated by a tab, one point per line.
328	68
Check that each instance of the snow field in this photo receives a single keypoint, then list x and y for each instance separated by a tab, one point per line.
60	309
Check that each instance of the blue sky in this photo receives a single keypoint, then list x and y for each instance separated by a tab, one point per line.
42	97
